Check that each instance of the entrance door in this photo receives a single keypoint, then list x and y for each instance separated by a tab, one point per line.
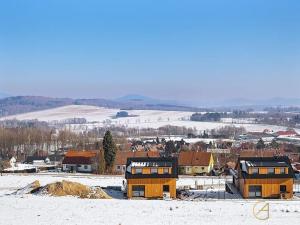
166	188
255	191
138	191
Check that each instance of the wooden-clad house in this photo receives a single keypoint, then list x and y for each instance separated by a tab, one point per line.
151	177
194	162
264	177
122	156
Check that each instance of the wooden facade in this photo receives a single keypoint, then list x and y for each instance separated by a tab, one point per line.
151	177
153	187
268	177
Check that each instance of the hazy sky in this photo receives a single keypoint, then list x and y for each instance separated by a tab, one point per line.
197	50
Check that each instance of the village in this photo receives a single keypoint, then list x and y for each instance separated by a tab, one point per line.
255	165
149	112
199	175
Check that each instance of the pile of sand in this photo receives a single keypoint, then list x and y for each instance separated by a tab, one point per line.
64	188
68	188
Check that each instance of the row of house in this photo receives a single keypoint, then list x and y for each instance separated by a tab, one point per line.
254	177
189	163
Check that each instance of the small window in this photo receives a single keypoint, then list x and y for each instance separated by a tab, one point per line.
85	167
166	188
166	170
271	170
138	170
282	188
255	171
138	191
202	168
282	170
153	171
255	191
118	167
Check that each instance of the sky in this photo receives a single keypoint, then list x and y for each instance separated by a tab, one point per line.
193	50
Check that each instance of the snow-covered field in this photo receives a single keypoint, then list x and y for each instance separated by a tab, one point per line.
99	117
45	210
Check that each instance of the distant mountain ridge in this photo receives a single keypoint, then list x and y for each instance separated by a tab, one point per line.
23	104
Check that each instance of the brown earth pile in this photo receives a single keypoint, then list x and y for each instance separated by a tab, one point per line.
68	188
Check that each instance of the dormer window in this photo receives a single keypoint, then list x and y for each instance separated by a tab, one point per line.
154	171
138	171
255	170
166	170
271	170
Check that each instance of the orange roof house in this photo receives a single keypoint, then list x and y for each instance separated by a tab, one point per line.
80	161
194	162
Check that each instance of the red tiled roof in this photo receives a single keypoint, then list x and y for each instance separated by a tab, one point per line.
77	160
258	153
79	157
121	156
287	133
192	158
89	154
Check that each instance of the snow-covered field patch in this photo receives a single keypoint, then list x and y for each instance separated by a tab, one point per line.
100	117
46	210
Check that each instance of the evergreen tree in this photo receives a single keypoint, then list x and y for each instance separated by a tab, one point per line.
110	149
170	148
260	144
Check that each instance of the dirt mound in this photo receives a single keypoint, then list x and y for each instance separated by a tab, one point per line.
68	188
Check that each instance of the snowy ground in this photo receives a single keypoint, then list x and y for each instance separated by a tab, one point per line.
99	117
44	210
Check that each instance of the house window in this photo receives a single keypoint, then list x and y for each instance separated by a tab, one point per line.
85	167
255	191
138	191
271	170
118	167
138	171
166	188
282	188
166	170
153	170
282	170
255	171
202	168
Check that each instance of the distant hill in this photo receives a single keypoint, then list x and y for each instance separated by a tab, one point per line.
23	104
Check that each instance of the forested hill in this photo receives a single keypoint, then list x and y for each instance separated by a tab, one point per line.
23	104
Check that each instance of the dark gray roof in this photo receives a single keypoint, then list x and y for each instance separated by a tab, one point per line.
276	161
56	158
152	162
